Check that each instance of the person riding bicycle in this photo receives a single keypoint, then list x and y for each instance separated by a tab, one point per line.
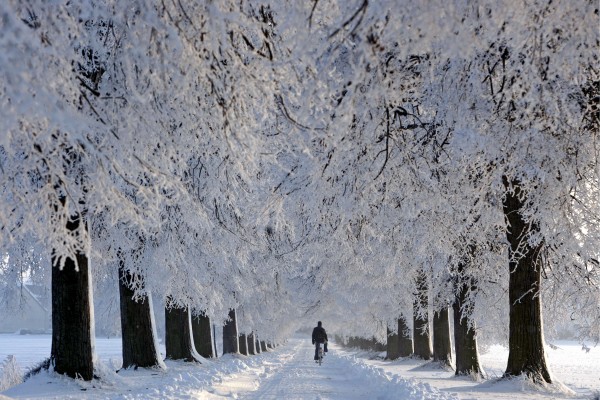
319	336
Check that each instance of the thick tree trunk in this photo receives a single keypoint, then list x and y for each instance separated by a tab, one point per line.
203	339
243	344
421	320
263	346
526	339
393	352
257	345
72	350
231	343
405	343
251	344
442	348
215	349
137	326
465	340
179	344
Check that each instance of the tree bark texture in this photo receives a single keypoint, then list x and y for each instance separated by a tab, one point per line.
231	343
392	345
465	340
251	345
257	346
442	348
405	343
526	339
72	331
178	334
422	340
203	339
243	344
137	333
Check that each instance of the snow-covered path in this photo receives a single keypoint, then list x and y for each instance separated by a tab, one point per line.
288	372
294	375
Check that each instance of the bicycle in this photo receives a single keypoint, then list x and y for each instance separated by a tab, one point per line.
320	354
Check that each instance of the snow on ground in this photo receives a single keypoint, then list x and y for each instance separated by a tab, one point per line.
30	350
575	368
289	373
293	375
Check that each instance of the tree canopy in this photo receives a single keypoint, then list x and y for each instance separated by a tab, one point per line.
311	157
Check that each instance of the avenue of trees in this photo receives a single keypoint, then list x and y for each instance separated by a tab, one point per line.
385	166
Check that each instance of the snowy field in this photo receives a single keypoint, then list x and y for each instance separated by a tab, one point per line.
575	368
289	373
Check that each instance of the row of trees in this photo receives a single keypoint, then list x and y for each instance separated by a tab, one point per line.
468	192
350	158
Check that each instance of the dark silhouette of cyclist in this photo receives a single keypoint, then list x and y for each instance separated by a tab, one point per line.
319	336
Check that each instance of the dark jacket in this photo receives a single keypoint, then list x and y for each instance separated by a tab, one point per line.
319	335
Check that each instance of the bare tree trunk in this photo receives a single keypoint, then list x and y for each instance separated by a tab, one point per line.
214	331
251	344
263	346
231	343
72	349
203	339
243	344
257	345
137	326
179	344
465	340
442	348
72	330
421	320
405	343
526	340
393	352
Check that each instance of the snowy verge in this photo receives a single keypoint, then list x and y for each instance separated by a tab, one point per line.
575	374
522	384
179	380
391	386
